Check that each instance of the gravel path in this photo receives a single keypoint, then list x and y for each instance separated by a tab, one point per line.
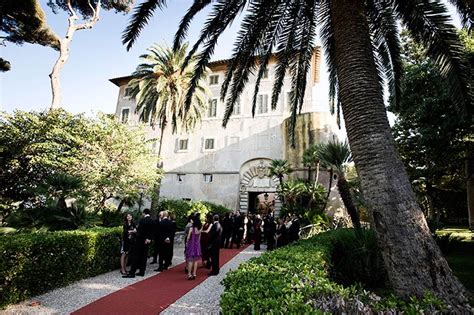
204	298
72	297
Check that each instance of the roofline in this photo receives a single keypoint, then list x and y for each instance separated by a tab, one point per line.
218	62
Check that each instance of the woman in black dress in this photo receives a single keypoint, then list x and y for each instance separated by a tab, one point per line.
128	238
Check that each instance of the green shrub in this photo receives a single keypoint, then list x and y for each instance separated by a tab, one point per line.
182	209
31	264
356	259
296	280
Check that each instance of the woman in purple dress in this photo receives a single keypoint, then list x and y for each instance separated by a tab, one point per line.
193	247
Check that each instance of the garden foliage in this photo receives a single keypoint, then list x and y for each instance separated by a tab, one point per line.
59	162
182	209
298	279
31	264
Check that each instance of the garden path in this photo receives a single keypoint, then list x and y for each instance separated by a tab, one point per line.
203	296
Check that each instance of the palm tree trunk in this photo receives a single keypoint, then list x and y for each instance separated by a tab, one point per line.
317	172
331	174
344	191
155	198
412	259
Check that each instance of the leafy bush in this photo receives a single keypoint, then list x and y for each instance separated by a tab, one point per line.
31	264
356	259
296	280
182	209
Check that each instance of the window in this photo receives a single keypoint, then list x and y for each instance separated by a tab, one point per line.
212	111
236	110
262	104
209	144
208	178
180	177
265	74
128	92
213	80
183	144
125	115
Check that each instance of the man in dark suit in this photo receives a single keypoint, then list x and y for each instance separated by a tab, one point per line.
156	243
166	232
215	235
237	230
143	240
226	231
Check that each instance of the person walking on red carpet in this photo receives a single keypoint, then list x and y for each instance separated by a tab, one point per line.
193	247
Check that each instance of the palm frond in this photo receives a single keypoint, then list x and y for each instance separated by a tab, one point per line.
254	39
223	13
430	24
387	46
305	39
196	7
141	14
328	41
466	9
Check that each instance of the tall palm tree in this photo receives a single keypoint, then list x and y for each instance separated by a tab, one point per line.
159	87
362	51
280	168
336	155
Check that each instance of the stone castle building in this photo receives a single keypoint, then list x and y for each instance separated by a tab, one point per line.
229	165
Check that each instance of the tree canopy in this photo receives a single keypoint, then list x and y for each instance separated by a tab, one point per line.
25	22
98	159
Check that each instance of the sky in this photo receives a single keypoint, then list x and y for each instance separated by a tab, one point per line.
97	55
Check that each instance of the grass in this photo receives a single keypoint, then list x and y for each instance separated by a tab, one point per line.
462	232
461	257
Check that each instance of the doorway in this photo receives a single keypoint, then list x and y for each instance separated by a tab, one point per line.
253	201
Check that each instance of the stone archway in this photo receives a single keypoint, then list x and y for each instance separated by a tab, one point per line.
255	178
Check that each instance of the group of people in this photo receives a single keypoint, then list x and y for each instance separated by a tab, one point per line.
203	241
253	228
136	240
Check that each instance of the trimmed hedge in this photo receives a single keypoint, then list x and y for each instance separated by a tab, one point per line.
297	280
31	264
182	209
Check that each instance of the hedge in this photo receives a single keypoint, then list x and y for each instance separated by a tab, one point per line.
297	280
182	209
31	264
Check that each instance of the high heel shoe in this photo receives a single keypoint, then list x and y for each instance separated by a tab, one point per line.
190	277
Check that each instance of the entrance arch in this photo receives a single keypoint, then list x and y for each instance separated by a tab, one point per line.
255	179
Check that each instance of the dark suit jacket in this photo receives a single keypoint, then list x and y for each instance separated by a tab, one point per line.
145	229
166	229
215	235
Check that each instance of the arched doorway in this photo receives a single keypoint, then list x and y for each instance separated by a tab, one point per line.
258	188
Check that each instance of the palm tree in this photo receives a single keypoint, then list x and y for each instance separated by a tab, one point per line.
336	155
310	159
361	41
159	87
280	168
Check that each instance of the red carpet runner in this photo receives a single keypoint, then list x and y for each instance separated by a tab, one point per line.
152	295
